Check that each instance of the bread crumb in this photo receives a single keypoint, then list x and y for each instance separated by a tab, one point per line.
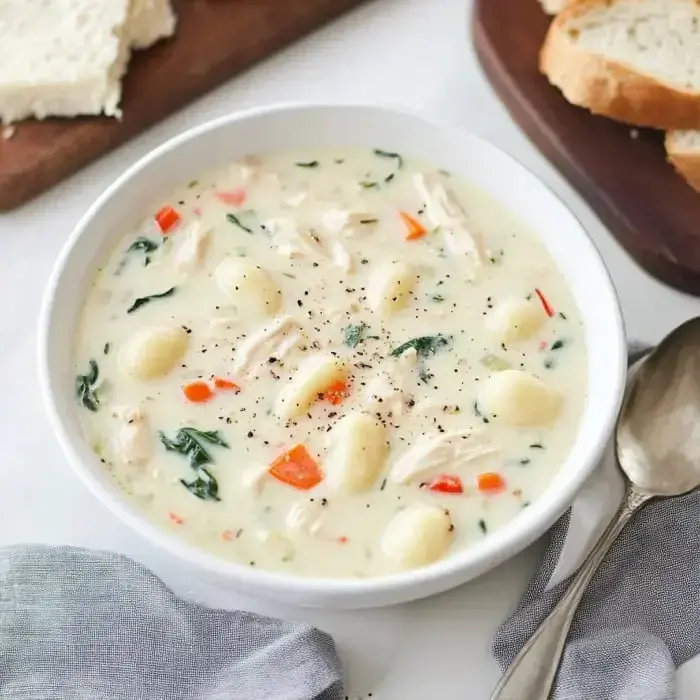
8	132
634	133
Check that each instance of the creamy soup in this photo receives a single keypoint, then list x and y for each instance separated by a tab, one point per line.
333	363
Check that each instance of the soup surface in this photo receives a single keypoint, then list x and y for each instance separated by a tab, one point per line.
336	364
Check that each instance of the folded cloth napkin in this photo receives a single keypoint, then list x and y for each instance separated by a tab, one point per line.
639	618
83	625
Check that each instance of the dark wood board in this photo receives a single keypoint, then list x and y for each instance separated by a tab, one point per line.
215	39
645	204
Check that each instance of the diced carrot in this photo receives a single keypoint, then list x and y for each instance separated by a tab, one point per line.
197	392
225	384
543	345
414	227
297	468
336	392
446	483
235	197
227	535
545	304
491	482
166	218
177	519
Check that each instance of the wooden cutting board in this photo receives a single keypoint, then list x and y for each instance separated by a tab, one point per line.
215	39
646	205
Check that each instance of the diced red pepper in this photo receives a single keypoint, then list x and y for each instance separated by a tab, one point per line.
491	482
446	483
545	304
414	228
166	218
297	468
197	392
235	197
225	384
336	392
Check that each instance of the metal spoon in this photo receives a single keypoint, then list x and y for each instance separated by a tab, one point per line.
657	443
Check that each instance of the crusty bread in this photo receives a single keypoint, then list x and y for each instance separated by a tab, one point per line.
552	7
62	57
683	149
632	60
149	21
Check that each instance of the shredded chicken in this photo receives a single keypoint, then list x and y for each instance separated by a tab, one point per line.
305	518
133	443
294	241
439	452
192	248
447	215
386	391
350	223
296	200
253	478
274	340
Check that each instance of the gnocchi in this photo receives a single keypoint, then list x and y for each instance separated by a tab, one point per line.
248	286
154	352
520	398
314	376
390	287
417	536
357	450
515	319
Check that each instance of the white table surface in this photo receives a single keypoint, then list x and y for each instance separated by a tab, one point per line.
406	52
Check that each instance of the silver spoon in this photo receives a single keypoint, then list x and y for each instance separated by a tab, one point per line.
657	443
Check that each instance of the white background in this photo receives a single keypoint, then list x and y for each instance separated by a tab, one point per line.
406	52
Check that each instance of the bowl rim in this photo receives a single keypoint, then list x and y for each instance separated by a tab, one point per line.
479	557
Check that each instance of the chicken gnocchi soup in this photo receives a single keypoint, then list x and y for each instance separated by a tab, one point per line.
333	363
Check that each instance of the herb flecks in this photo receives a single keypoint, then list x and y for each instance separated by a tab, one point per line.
355	334
425	345
142	301
233	219
189	442
437	298
369	184
85	389
307	164
478	413
145	246
388	154
482	526
558	344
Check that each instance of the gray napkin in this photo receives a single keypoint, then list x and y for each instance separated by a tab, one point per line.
639	618
83	625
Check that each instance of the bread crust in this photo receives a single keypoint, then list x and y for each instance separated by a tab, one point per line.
685	162
610	88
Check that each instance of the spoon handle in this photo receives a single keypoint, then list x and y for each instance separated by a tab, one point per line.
532	673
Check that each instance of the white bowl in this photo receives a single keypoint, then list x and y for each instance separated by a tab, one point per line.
300	126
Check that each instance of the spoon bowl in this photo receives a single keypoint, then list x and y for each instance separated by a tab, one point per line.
658	432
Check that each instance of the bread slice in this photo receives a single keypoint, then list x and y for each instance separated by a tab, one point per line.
553	7
61	57
150	21
683	150
637	61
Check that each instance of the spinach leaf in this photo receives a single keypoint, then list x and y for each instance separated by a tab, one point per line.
354	335
141	301
85	387
388	154
205	486
144	245
425	345
233	219
309	164
188	443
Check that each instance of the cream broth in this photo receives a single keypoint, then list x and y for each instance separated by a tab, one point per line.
335	364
